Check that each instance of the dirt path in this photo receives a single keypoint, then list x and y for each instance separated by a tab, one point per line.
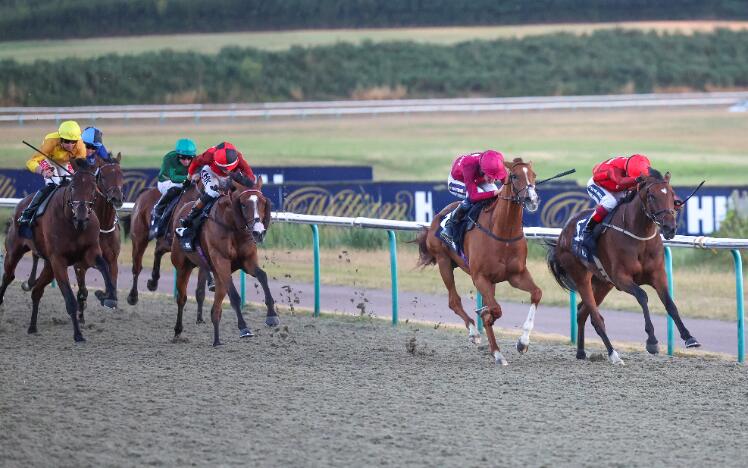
342	392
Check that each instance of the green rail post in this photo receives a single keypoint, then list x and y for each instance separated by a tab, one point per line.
479	320
671	291
739	297
573	316
242	284
315	248
393	274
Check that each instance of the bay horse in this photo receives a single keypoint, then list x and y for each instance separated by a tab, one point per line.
496	251
66	234
631	254
227	242
109	182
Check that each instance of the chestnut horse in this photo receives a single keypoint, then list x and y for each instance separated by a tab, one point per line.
228	240
109	181
65	235
140	222
496	251
631	254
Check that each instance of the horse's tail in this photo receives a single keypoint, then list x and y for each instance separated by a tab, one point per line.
562	277
424	256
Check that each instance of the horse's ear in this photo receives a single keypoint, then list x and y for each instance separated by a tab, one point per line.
119	157
258	183
81	164
667	177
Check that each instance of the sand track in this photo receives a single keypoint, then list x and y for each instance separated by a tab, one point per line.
342	391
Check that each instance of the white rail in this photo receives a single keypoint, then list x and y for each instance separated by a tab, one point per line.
697	242
341	108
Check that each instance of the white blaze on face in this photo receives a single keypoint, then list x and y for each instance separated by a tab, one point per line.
257	226
531	193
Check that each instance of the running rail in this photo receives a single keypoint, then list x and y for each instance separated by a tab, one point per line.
197	112
539	233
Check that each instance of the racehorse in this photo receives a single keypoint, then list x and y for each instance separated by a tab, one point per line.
630	253
139	227
67	234
109	181
228	240
495	251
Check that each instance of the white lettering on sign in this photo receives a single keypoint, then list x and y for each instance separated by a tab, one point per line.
424	207
700	215
720	210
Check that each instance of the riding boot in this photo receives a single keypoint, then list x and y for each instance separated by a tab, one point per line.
452	223
194	213
39	197
589	240
158	211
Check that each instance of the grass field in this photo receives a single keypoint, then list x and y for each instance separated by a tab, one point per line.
26	51
693	143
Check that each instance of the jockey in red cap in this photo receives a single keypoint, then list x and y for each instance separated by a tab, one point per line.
216	165
473	178
610	181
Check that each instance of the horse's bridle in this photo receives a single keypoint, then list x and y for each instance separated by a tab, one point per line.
648	212
249	225
74	204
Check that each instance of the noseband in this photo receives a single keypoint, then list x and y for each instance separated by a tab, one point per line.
518	196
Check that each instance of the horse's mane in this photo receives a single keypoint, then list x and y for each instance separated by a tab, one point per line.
654	174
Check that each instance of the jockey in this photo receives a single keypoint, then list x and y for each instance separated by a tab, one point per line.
473	178
216	165
610	181
171	179
93	139
61	147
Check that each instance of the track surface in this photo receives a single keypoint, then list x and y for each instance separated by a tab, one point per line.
341	392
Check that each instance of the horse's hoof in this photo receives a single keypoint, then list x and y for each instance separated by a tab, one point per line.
692	343
100	295
475	339
199	320
26	286
653	348
132	299
272	321
109	303
31	330
79	339
521	347
217	344
152	284
245	333
499	359
615	359
581	354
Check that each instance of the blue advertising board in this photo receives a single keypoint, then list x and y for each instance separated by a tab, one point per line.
17	183
414	201
418	201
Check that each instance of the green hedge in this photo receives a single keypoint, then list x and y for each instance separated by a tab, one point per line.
610	61
51	19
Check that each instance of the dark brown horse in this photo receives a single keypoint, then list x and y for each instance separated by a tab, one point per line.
496	251
227	242
68	233
109	181
631	254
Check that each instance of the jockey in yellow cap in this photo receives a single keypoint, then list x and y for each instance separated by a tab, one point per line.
61	147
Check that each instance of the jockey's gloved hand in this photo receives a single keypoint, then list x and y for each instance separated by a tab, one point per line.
187	182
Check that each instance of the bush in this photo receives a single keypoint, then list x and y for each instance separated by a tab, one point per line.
610	61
